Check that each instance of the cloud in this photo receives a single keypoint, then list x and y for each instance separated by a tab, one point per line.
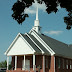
32	9
53	32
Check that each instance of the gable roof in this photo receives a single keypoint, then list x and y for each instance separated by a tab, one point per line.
29	43
70	46
37	43
35	34
60	48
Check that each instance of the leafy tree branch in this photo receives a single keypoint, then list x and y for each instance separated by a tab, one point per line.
19	9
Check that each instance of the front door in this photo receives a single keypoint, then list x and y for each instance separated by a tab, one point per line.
27	65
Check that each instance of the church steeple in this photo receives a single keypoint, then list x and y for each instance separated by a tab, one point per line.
37	27
37	14
36	23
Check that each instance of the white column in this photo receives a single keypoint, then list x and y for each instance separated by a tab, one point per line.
43	63
7	62
34	62
15	62
24	62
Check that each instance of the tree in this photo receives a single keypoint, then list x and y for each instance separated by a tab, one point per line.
3	64
20	6
68	20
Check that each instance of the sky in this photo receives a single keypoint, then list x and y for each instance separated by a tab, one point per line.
52	25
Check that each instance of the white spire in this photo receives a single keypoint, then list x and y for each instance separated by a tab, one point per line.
37	20
37	13
37	27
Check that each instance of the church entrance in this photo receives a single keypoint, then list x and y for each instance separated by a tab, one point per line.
27	65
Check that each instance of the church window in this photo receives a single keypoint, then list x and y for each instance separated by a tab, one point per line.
70	65
63	64
67	64
58	62
46	63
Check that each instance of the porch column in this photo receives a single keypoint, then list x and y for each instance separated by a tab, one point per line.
52	66
43	63
54	63
15	62
7	62
24	62
34	63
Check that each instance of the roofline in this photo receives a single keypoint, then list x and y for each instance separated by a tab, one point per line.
47	47
28	43
12	44
59	55
30	31
15	41
56	40
35	43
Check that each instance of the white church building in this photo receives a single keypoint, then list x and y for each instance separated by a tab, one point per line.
36	52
